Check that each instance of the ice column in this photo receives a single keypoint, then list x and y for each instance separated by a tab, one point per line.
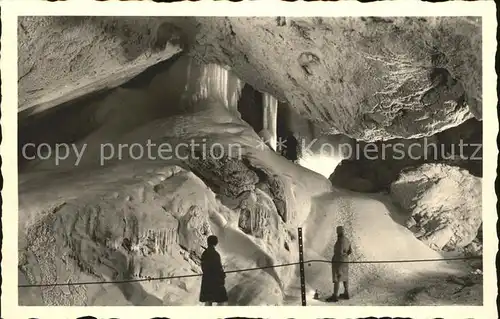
219	83
270	118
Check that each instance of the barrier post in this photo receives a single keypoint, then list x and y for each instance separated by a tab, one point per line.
301	268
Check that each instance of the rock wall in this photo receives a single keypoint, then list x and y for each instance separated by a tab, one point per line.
444	204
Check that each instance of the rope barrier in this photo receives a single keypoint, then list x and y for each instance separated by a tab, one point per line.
245	270
395	261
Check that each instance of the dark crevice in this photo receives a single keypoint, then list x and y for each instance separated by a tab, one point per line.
251	107
73	120
381	20
439	76
231	31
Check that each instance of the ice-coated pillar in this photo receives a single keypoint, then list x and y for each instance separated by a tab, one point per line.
217	82
190	81
270	118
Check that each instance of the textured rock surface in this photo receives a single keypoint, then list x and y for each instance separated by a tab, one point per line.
85	54
228	176
369	78
444	204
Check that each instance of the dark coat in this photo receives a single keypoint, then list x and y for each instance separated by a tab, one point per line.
213	279
291	148
341	251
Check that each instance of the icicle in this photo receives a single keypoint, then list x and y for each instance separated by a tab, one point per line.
235	86
270	117
212	81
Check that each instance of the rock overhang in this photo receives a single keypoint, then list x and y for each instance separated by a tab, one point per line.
369	78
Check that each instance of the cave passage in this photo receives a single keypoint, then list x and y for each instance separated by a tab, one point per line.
263	112
148	217
168	83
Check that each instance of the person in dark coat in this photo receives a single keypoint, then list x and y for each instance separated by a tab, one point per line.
213	279
340	269
291	148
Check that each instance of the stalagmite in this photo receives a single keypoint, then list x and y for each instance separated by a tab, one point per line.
270	118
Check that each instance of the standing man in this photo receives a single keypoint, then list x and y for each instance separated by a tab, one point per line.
340	269
213	279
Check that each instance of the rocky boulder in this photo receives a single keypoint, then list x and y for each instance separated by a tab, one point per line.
227	176
444	204
236	180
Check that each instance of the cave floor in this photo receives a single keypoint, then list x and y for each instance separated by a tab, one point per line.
435	291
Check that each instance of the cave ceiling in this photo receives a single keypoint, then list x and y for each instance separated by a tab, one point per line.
369	78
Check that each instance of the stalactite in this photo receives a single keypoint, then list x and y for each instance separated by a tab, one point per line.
270	117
